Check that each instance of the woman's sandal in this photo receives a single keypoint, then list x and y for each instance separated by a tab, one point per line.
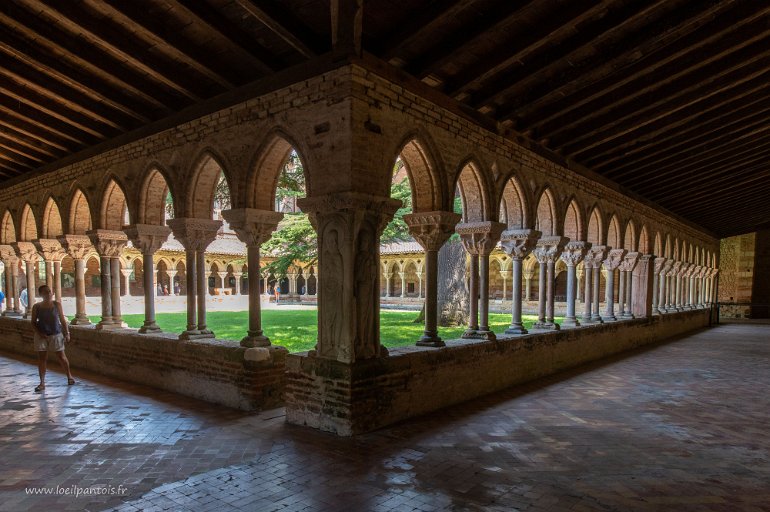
39	388
70	382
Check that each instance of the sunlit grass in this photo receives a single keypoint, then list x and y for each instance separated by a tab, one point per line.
296	329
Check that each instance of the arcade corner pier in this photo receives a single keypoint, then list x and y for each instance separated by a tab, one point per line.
539	236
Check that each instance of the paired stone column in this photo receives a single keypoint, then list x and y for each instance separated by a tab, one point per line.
614	258
580	273
27	252
349	225
504	274
78	247
593	263
681	279
387	276
657	287
518	243
419	277
574	252
195	235
479	238
171	275
431	230
292	283
665	286
148	238
11	263
547	250
305	276
126	273
713	286
52	252
627	267
254	227
109	245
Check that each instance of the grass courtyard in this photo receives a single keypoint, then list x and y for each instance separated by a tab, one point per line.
296	329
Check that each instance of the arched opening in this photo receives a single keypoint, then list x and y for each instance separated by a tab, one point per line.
28	225
8	230
644	241
513	206
595	227
80	214
658	247
629	239
573	225
52	223
156	204
471	192
210	190
114	207
545	220
421	171
613	233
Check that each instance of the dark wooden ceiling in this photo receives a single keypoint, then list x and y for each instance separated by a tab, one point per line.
668	98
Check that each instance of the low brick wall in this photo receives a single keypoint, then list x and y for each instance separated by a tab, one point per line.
213	370
351	399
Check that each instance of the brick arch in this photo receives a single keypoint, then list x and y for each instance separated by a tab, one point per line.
595	227
7	229
424	174
152	199
51	222
80	213
546	217
113	206
629	237
473	192
658	245
28	226
677	255
668	251
199	201
614	239
514	206
573	221
262	182
643	245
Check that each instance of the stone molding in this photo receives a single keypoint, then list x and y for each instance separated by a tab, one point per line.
574	252
148	238
432	229
108	243
479	238
78	247
519	243
194	234
51	249
383	207
253	226
614	258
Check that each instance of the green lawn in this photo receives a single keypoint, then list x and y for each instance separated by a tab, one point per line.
296	329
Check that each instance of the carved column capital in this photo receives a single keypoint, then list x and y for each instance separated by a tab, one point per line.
432	229
51	249
674	269
148	238
480	237
194	234
26	251
614	258
361	206
8	255
253	227
659	264
596	255
574	252
629	261
684	269
548	248
78	247
107	242
518	243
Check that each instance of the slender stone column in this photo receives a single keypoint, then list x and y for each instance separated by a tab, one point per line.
518	243
627	267
171	275
587	299
11	263
266	279
402	275
52	252
78	247
547	250
387	276
117	319
573	254
702	287
665	292
681	287
195	235
542	272
528	275
713	287
239	275
614	258
596	257
148	239
621	291
504	275
479	238
27	252
431	230
16	287
349	225
580	291
419	277
254	227
126	277
671	285
292	283
657	284
305	276
109	245
222	277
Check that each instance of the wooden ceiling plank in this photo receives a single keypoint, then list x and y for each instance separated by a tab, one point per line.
18	149
271	21
29	142
34	128
15	160
9	171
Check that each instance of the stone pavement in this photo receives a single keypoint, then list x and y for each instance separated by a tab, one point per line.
681	427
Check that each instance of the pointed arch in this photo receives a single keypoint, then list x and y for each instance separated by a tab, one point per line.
28	226
424	175
473	193
152	201
7	229
658	248
52	223
677	254
266	171
513	205
80	214
595	227
669	250
573	222
204	178
613	233
545	221
643	245
629	237
114	207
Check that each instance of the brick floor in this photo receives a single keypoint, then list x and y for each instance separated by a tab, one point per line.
682	426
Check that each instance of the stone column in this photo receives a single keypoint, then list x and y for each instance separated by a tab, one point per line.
517	243
419	277
195	235
622	276
126	272
547	250
574	252
657	284
528	275
222	277
702	287
52	252
171	275
597	255
78	247
292	283
587	287
473	292
713	285
11	263
109	246
305	276
239	275
504	275
614	258
431	230
387	276
266	280
402	275
479	239
148	239
681	278
349	225
664	293
254	227
580	292
27	252
627	267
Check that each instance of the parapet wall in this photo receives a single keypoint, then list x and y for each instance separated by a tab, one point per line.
352	399
211	370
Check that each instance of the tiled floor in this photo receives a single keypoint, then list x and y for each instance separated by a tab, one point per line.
683	427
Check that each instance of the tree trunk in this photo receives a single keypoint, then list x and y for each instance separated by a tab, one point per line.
453	300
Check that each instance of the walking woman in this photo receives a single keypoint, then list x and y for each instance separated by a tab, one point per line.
51	332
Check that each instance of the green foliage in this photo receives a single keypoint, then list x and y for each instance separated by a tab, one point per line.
397	230
222	194
294	240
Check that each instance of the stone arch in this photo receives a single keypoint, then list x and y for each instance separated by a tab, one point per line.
629	238
424	175
573	221
613	233
658	245
200	196
595	227
266	170
52	223
80	214
152	199
514	205
677	254
114	207
473	192
545	220
668	250
643	244
7	229
28	226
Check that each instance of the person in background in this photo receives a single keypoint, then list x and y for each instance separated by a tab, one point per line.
2	298
176	289
159	290
50	333
24	298
277	293
165	289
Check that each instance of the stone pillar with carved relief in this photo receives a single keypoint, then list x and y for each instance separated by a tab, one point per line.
109	245
518	244
11	263
611	263
627	267
148	239
656	289
349	225
479	238
254	227
573	253
643	283
431	230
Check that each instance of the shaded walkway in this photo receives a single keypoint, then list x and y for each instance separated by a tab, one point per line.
682	426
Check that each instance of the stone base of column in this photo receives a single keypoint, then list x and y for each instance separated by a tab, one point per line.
472	334
596	319
84	320
255	340
430	339
628	316
611	318
485	335
196	335
12	314
110	326
570	322
546	326
516	329
150	328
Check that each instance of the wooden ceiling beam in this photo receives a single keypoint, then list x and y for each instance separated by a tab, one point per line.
749	199
15	159
279	21
9	170
34	128
29	142
14	147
